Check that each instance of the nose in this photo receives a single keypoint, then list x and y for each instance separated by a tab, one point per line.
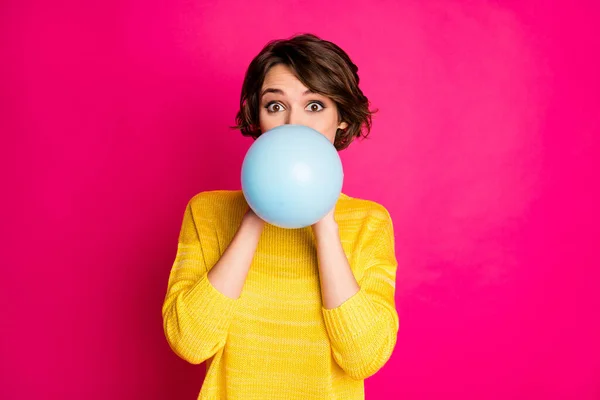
295	117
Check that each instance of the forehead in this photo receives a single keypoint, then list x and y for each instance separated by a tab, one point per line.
281	76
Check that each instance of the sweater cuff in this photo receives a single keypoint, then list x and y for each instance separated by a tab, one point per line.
352	318
211	307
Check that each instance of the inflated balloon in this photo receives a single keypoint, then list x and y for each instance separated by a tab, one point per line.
292	176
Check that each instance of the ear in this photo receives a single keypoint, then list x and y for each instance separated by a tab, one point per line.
342	125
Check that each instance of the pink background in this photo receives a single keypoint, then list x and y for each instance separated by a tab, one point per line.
115	113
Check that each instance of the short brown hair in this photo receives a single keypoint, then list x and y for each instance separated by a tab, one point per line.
322	67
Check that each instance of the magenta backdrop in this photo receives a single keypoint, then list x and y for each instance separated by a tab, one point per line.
485	151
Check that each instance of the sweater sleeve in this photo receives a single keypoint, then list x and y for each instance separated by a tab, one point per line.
196	316
363	329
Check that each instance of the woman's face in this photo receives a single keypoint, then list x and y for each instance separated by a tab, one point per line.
285	100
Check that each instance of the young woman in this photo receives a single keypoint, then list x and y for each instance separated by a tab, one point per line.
287	313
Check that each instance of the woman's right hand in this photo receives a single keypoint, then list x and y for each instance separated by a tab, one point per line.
230	272
251	218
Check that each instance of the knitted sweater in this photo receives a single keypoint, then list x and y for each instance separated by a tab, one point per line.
277	341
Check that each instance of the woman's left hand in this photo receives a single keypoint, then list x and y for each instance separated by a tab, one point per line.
327	221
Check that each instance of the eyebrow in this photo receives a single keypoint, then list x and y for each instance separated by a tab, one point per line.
279	91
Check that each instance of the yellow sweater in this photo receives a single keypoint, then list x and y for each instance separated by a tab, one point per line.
277	341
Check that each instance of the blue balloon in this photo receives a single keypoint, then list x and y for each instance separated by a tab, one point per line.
292	176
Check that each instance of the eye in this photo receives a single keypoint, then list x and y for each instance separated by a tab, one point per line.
274	107
315	106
